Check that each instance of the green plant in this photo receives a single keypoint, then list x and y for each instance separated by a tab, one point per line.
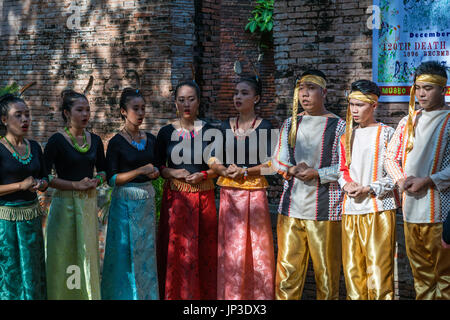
12	88
158	185
262	17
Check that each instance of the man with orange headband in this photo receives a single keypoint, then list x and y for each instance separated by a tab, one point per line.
307	155
370	203
418	160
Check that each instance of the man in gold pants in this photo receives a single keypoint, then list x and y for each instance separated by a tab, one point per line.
310	208
418	160
370	202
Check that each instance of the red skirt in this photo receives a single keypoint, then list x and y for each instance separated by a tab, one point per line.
187	246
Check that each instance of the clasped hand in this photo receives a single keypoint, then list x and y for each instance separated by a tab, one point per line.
303	172
149	170
414	185
356	190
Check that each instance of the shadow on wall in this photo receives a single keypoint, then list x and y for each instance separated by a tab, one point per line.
61	44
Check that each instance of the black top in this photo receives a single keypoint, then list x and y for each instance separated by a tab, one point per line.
122	157
195	162
70	164
254	149
12	171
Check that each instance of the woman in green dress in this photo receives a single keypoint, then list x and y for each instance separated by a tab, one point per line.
72	226
22	173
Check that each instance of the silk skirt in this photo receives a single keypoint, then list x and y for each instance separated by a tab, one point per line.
129	267
246	258
73	261
187	245
22	260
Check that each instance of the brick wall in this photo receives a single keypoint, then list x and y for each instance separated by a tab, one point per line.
113	39
161	39
158	39
222	42
332	35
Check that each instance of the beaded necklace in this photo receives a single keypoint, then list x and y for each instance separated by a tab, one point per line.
185	133
82	149
237	132
26	158
141	145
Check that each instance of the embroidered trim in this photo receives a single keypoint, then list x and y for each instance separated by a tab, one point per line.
177	185
252	182
21	213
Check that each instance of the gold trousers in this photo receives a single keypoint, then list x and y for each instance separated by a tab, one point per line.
368	246
297	240
430	262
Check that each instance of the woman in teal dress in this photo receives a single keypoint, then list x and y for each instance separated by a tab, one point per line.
73	261
22	173
129	268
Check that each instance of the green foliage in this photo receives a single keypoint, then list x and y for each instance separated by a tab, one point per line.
12	88
262	17
158	185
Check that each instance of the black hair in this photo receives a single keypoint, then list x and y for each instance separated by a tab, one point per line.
366	87
431	67
69	97
313	72
254	82
5	105
188	83
126	96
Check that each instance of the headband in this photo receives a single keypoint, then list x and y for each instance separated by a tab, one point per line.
364	97
426	78
321	82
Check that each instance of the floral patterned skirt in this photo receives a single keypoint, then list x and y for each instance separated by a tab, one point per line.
22	260
246	257
129	267
187	245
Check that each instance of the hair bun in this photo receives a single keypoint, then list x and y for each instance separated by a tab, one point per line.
66	92
7	96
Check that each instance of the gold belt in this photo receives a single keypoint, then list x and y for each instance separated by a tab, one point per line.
252	182
177	185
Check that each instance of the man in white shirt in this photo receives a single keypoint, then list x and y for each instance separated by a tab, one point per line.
418	160
370	202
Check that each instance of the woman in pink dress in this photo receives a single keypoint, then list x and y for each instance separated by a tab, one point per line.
246	263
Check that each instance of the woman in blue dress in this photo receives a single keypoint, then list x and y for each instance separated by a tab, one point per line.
129	269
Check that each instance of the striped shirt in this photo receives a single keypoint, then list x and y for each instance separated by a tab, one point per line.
369	147
317	145
430	157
